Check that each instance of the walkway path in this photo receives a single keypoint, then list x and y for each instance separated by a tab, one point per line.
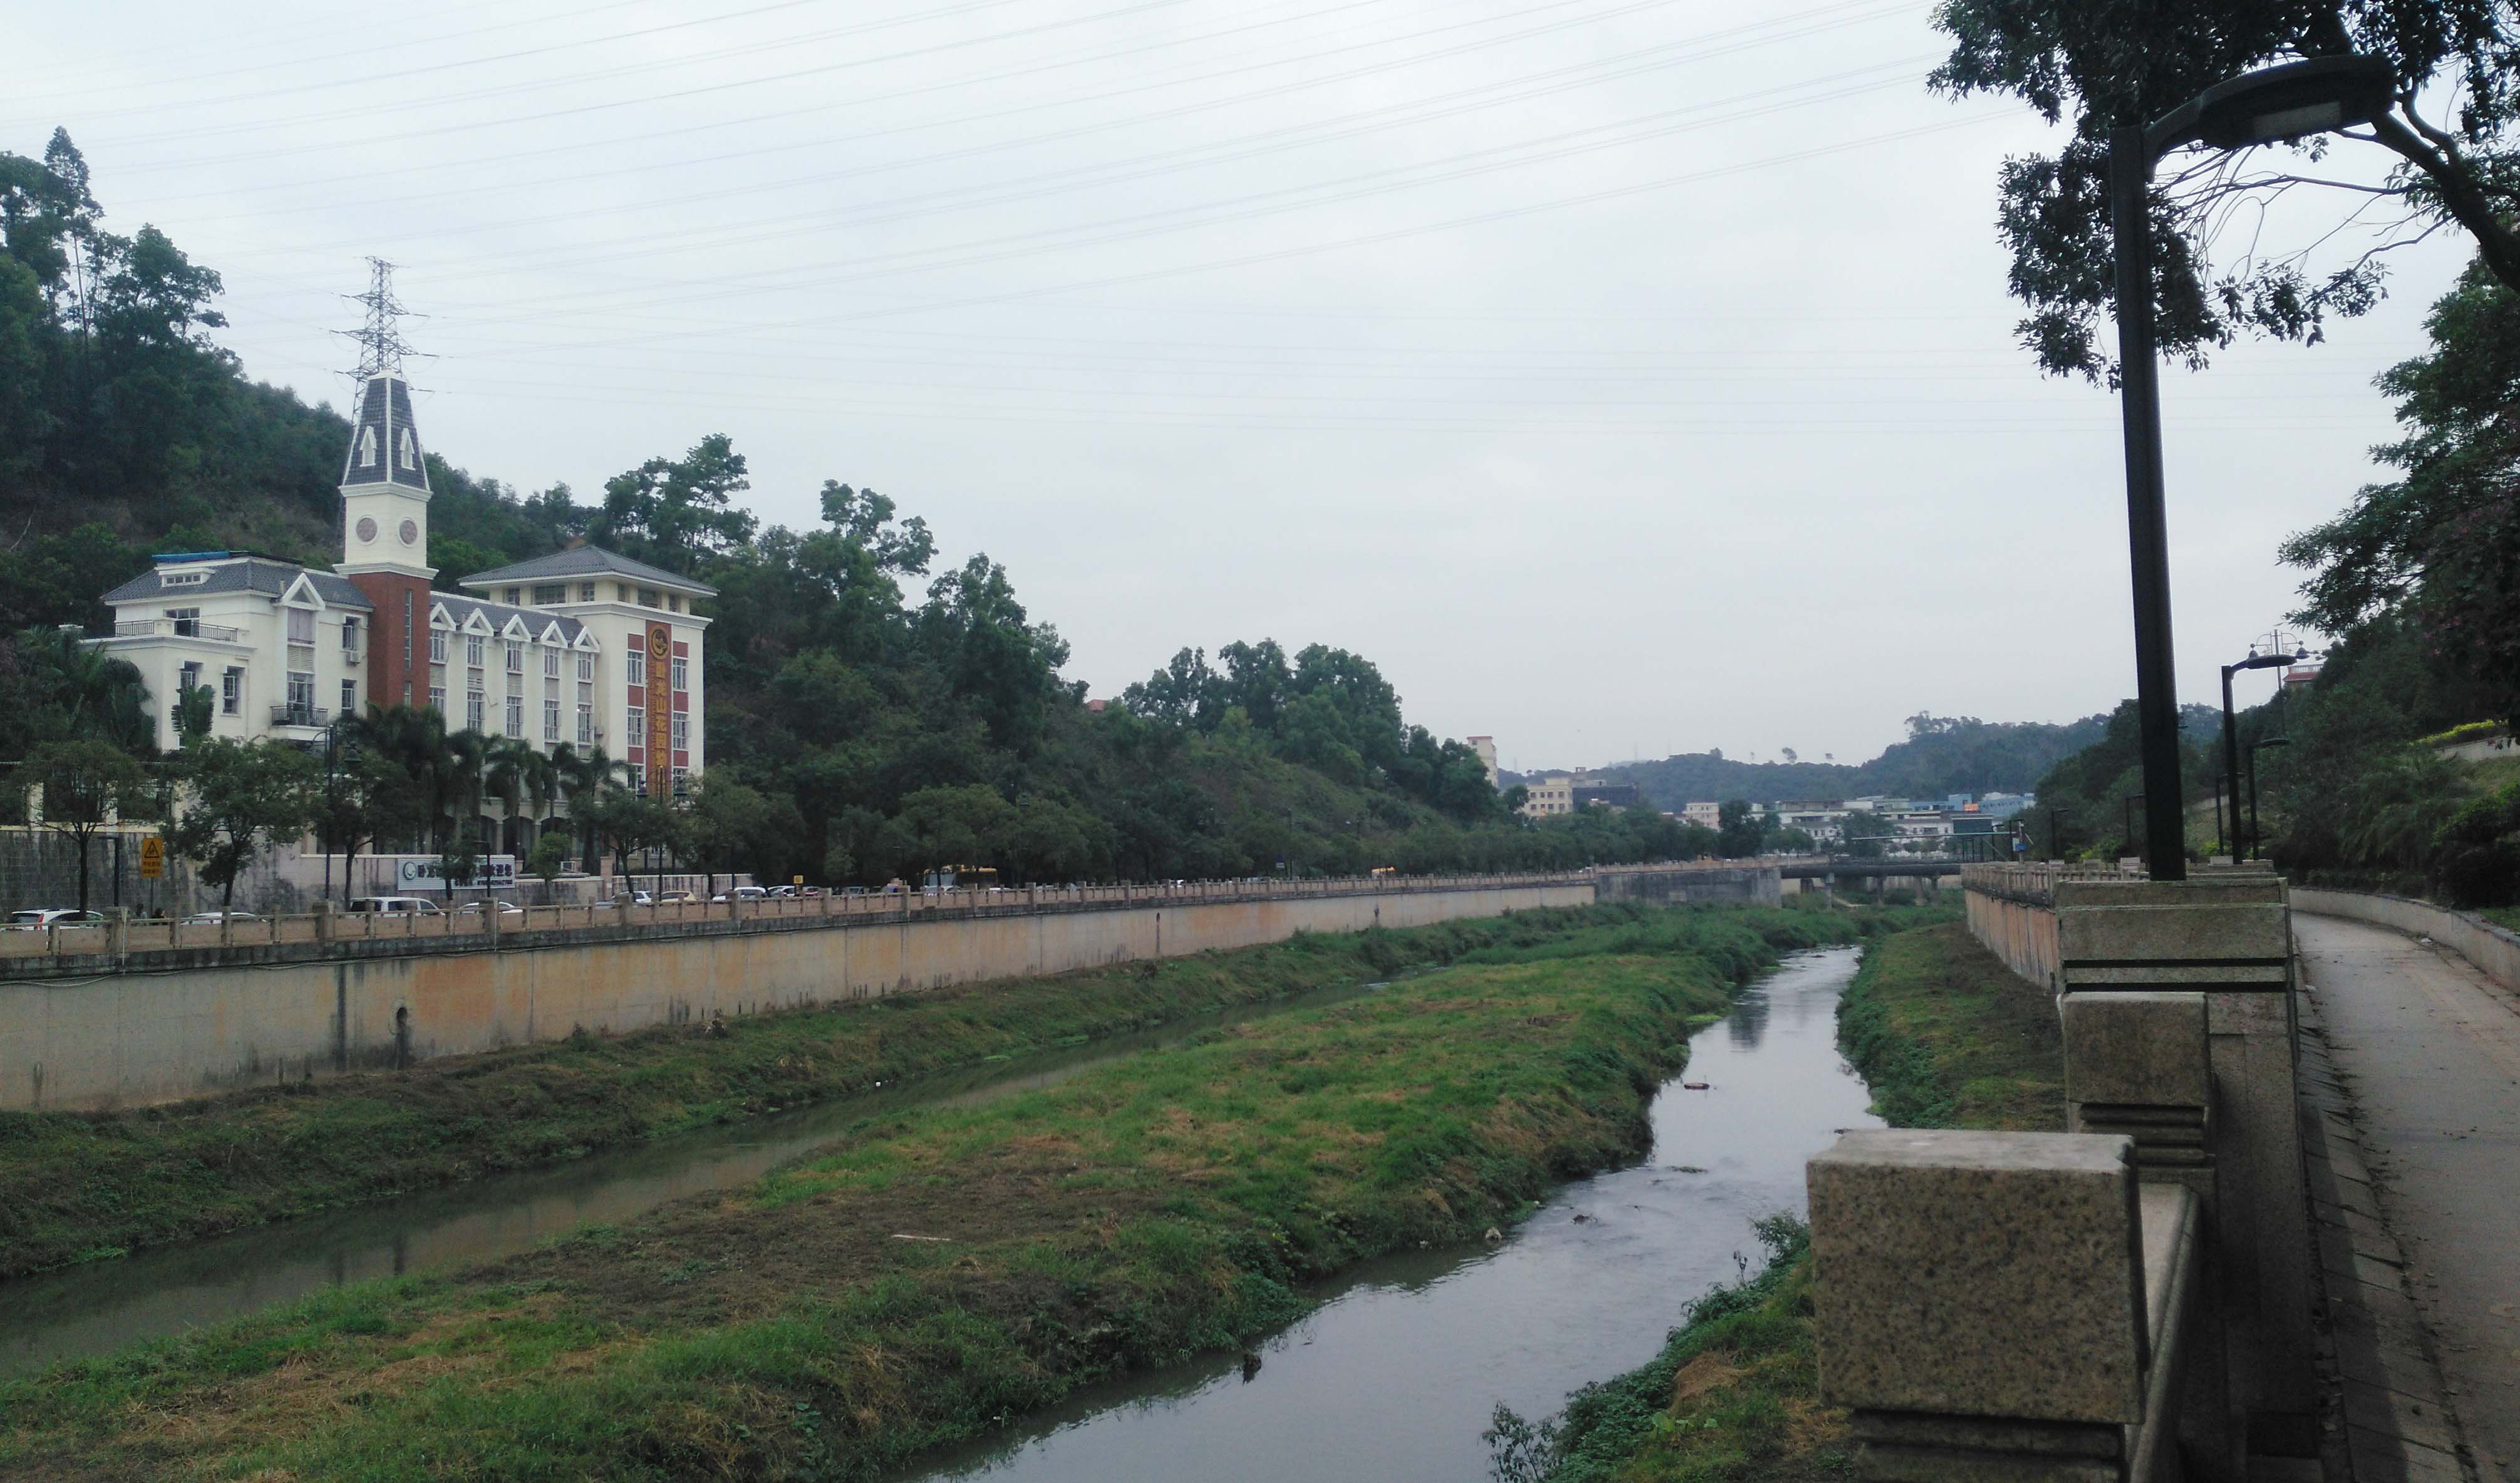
2431	1048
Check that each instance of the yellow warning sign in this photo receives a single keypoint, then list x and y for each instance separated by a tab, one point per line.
153	857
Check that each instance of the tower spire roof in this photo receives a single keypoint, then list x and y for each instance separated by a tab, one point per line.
385	443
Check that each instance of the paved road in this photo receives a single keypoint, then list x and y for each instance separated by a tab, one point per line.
2432	1047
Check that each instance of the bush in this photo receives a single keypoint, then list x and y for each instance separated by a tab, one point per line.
2476	855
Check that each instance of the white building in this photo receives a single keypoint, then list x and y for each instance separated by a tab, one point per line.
583	647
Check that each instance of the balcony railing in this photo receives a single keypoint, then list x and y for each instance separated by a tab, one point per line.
175	628
301	715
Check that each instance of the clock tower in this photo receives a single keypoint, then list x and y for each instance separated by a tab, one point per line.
384	537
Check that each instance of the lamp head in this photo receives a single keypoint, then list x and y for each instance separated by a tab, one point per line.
2278	103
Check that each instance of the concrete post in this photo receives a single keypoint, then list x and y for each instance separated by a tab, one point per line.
2228	938
1979	1303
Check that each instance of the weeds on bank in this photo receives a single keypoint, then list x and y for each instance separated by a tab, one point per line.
933	1273
86	1187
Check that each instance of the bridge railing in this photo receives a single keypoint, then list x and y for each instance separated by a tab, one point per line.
479	923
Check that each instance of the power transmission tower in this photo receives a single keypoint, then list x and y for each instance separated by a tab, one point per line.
381	347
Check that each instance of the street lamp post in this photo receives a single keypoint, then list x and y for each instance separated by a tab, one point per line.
2263	107
2230	735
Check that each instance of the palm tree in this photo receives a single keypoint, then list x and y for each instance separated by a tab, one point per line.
582	776
518	774
103	697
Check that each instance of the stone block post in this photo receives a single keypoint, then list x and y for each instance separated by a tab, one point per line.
2227	938
1980	1303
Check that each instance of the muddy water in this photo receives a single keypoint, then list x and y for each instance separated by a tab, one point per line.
93	1310
1394	1377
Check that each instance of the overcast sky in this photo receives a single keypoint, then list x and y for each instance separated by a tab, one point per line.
1624	377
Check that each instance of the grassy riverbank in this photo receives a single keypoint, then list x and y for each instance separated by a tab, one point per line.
935	1272
82	1186
1946	1037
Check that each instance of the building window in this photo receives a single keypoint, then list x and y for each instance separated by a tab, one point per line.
301	625
585	723
638	778
436	647
472	710
622	591
367	447
648	597
350	636
585	669
437	699
673	603
638	731
682	783
682	731
349	698
410	450
634	661
550	663
473	650
586	592
513	593
550	718
301	698
188	621
515	715
547	592
515	657
681	672
232	691
186	677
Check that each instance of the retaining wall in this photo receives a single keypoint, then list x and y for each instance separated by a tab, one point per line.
138	1038
2495	950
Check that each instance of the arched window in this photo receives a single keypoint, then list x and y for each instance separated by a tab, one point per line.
367	447
408	450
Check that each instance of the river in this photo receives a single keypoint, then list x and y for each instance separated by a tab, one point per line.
1395	1375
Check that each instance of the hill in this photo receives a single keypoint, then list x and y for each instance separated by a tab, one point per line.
1942	756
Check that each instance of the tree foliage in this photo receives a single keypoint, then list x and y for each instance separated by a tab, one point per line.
2100	65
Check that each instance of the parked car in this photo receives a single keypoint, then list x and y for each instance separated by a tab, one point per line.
212	919
473	909
679	898
395	906
627	898
742	893
37	919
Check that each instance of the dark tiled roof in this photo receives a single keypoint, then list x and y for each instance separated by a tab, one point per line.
384	434
244	574
587	561
497	614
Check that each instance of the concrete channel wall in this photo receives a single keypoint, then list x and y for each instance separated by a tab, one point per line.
2495	950
136	1037
2013	913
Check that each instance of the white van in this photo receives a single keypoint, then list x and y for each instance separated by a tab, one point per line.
396	905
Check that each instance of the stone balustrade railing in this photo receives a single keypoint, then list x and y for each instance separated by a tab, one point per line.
122	941
2129	1299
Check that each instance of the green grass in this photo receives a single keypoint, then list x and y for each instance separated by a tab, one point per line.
1946	1037
84	1187
1133	1215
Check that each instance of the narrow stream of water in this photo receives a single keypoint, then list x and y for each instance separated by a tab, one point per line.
1395	1375
100	1308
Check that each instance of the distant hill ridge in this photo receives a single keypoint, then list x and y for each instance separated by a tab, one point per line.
1942	756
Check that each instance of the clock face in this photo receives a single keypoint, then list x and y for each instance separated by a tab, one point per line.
411	532
366	529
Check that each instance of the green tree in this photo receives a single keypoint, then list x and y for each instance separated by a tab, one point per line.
2104	64
728	821
1741	830
676	512
240	798
547	860
86	786
2440	547
939	827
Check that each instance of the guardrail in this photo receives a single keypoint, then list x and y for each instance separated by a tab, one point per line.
470	923
301	715
174	628
2035	883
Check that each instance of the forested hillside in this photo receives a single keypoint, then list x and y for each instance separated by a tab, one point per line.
1942	756
867	715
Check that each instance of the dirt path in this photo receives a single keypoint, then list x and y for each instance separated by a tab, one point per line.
2432	1047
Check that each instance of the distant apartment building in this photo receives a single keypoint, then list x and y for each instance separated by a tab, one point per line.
1703	815
1545	797
1592	793
1485	747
